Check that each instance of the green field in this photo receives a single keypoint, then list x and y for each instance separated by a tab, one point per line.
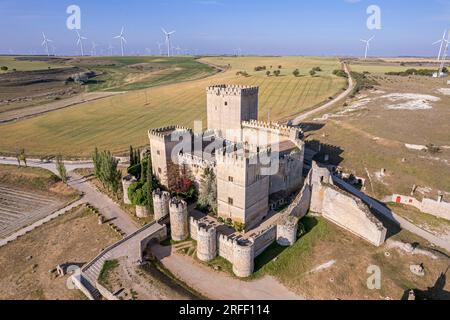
116	122
12	64
134	73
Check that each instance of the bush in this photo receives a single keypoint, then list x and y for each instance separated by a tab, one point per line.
260	68
239	227
220	219
242	73
340	73
317	69
268	73
296	73
137	193
4	68
312	73
412	72
135	170
277	73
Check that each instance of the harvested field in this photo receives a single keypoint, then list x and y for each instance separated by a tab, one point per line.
28	195
20	208
25	264
116	122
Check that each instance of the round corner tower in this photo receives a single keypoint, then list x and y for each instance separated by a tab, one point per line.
243	258
206	242
287	231
161	201
178	219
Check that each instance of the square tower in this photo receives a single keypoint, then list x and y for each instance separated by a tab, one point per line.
228	106
164	155
242	191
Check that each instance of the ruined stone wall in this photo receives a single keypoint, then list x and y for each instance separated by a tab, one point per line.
319	177
126	183
439	209
287	231
264	240
352	214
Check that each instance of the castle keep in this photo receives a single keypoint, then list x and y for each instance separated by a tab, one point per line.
258	168
244	151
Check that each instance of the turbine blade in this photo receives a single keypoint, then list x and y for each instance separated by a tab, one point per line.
439	41
163	30
124	40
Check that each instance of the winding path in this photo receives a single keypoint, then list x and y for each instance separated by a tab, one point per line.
329	104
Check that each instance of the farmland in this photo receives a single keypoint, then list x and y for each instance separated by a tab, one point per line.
26	64
374	129
118	121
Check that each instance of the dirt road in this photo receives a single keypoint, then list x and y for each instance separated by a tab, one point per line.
329	104
217	285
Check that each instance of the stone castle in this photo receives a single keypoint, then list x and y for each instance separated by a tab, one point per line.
235	154
259	167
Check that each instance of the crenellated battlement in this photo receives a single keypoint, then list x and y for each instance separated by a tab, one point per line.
161	195
232	90
284	130
164	132
176	204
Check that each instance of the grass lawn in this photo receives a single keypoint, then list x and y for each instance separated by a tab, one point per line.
116	122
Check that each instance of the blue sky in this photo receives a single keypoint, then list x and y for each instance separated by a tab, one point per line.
285	27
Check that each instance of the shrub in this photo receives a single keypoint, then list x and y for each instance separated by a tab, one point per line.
340	73
137	193
296	73
4	68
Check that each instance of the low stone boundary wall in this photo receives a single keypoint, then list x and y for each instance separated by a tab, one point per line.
439	209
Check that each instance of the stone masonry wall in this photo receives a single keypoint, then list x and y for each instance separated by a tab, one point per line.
352	214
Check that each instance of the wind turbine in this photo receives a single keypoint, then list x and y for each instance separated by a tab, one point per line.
442	42
367	42
168	34
94	49
110	49
444	56
159	47
122	39
45	43
80	42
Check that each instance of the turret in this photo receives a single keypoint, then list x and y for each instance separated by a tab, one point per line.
178	219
